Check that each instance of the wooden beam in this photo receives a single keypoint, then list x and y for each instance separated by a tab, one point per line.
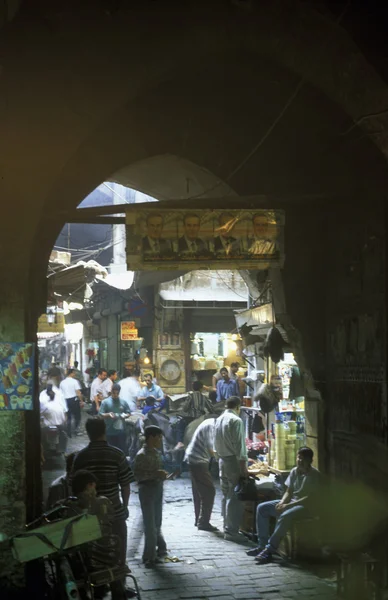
91	220
225	202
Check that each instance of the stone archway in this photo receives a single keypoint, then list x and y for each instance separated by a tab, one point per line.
87	96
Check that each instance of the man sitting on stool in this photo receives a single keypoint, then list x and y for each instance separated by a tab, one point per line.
302	486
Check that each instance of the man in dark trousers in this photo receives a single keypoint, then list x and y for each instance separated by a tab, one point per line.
150	476
198	455
114	476
71	391
302	489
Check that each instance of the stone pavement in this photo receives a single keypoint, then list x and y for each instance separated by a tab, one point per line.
210	567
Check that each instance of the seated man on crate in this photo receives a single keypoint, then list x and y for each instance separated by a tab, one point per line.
298	502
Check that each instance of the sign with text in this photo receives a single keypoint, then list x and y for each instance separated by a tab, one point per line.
17	376
211	239
128	331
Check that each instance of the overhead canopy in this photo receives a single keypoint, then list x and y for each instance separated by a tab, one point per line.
261	318
73	281
146	278
205	286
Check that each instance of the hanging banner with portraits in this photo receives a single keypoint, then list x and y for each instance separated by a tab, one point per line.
178	239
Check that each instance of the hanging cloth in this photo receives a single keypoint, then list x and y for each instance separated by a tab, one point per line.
258	423
273	346
267	398
296	384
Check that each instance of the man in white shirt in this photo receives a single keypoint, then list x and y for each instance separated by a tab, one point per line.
44	396
71	391
229	444
130	390
96	390
52	412
198	455
107	385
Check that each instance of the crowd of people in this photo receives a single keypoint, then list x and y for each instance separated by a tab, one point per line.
64	396
220	438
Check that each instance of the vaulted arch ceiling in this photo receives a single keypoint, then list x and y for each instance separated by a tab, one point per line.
236	74
168	177
264	99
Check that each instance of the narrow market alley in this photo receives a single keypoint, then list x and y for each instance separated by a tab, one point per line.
208	567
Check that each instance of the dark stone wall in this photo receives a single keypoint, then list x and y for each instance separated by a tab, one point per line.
334	283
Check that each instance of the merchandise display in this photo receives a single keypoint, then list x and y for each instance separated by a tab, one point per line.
212	351
286	432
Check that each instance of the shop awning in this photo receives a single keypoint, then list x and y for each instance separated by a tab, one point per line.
146	278
261	319
73	282
205	286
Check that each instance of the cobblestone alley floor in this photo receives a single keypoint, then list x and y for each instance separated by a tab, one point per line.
210	568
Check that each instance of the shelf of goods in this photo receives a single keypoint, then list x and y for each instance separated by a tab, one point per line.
286	446
203	363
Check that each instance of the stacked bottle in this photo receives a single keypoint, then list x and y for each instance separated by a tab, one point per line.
292	427
280	438
299	442
272	450
290	454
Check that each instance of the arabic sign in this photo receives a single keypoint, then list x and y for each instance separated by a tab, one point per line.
212	239
17	376
129	331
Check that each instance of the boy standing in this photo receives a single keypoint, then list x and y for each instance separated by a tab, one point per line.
150	476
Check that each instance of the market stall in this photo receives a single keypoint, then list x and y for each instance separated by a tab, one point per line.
274	417
212	351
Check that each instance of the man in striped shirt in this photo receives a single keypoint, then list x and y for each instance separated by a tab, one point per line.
198	455
197	404
111	468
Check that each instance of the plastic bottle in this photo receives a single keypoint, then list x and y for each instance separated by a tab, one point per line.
273	448
280	439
